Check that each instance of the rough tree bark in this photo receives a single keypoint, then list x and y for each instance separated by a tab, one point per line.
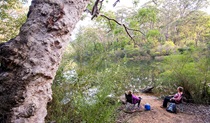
28	63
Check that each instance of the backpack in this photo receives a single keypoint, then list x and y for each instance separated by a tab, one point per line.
171	108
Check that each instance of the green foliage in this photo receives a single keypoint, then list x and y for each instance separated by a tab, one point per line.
101	107
105	59
12	16
88	43
101	72
191	34
153	33
106	23
145	15
189	71
143	19
110	63
131	52
152	38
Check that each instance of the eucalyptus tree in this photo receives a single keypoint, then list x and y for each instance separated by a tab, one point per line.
30	60
89	42
145	19
171	11
112	23
193	30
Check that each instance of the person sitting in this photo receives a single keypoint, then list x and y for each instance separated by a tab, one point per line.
174	99
131	98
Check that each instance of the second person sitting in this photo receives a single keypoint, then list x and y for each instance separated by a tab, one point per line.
174	99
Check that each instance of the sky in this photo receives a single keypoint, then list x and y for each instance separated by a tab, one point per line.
124	3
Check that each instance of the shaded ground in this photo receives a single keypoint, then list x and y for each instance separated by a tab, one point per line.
190	113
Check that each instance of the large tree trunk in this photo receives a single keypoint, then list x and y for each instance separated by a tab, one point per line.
29	61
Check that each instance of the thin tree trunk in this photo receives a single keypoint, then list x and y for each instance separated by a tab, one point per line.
28	63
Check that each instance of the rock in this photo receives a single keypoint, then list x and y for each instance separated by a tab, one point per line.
147	90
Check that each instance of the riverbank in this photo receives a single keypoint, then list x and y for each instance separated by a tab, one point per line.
191	113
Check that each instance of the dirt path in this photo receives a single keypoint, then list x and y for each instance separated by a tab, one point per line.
157	114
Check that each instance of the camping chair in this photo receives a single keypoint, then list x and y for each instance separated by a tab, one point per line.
128	98
180	103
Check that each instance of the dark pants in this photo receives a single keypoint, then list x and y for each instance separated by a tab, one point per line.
139	101
166	100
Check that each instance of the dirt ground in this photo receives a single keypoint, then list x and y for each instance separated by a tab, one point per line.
160	115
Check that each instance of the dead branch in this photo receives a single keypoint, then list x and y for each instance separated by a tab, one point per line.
87	10
155	2
116	3
125	27
136	31
127	32
95	10
111	19
101	2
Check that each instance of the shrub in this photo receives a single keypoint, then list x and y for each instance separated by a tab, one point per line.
188	71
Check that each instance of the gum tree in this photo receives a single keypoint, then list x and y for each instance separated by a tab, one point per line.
28	62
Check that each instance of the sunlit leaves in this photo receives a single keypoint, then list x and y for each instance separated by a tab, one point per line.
146	15
189	70
153	33
106	23
143	19
12	16
192	30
